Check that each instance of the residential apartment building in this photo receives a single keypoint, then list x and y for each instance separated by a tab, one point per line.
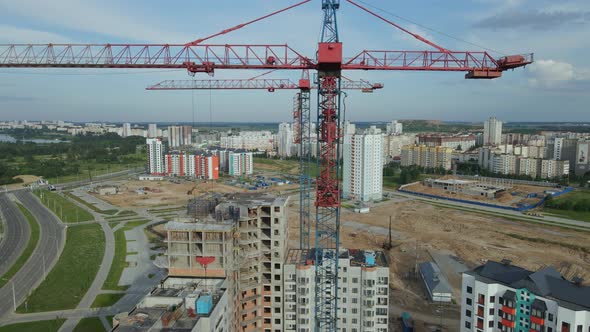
249	140
155	156
492	132
240	163
529	166
554	168
243	238
504	297
455	142
363	166
152	130
504	164
285	140
582	161
180	304
126	131
180	136
363	291
201	166
564	149
392	145
394	128
424	156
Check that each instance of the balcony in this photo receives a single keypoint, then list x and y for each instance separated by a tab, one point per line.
507	323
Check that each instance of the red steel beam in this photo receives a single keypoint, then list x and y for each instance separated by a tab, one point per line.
252	84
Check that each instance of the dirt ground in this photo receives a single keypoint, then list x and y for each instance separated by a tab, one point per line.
419	229
27	179
505	198
162	193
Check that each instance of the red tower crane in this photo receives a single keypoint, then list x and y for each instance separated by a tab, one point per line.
329	63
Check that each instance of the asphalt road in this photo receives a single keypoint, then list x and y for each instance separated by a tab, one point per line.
16	234
49	248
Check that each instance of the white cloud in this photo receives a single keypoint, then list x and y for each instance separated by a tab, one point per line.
10	34
556	74
94	17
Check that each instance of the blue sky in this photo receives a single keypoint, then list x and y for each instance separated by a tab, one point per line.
555	88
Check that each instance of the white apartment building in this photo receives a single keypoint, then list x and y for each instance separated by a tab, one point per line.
504	164
363	165
152	130
249	140
126	132
394	128
240	163
554	168
180	136
363	291
492	132
425	156
155	156
504	297
285	140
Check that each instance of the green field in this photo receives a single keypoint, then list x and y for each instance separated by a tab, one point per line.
106	300
63	208
74	272
90	206
31	245
98	169
43	325
90	324
575	205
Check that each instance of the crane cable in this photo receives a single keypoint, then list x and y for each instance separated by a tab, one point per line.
430	29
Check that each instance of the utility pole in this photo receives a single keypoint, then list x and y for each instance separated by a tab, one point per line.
13	296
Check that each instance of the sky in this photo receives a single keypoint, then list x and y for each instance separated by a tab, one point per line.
554	88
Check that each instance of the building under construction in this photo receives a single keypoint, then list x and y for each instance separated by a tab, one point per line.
242	238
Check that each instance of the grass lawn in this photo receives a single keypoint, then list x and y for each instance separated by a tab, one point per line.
74	272
119	263
576	215
43	325
90	206
62	207
106	300
566	206
98	169
28	251
90	324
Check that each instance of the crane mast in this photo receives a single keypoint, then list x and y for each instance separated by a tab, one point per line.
327	203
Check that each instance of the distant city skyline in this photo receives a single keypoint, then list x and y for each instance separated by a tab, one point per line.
552	89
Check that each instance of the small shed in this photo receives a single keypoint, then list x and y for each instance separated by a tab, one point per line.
437	285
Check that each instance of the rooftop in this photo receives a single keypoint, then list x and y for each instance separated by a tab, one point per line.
437	282
546	282
357	257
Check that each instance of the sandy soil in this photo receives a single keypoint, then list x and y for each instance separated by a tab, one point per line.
164	193
419	228
27	179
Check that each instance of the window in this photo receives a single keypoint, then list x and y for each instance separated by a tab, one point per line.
492	299
481	299
491	323
491	311
469	302
579	328
355	280
468	325
550	317
469	290
468	313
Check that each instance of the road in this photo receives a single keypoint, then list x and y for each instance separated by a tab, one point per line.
51	241
16	233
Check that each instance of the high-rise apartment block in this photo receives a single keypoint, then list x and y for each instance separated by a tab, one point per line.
582	162
285	140
126	130
152	130
240	163
201	166
363	165
504	297
499	161
155	156
249	140
242	238
392	145
425	156
394	128
180	136
363	291
455	142
492	132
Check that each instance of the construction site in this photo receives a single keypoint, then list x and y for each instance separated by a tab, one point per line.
500	192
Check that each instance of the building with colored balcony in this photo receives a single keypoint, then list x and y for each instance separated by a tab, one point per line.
503	297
